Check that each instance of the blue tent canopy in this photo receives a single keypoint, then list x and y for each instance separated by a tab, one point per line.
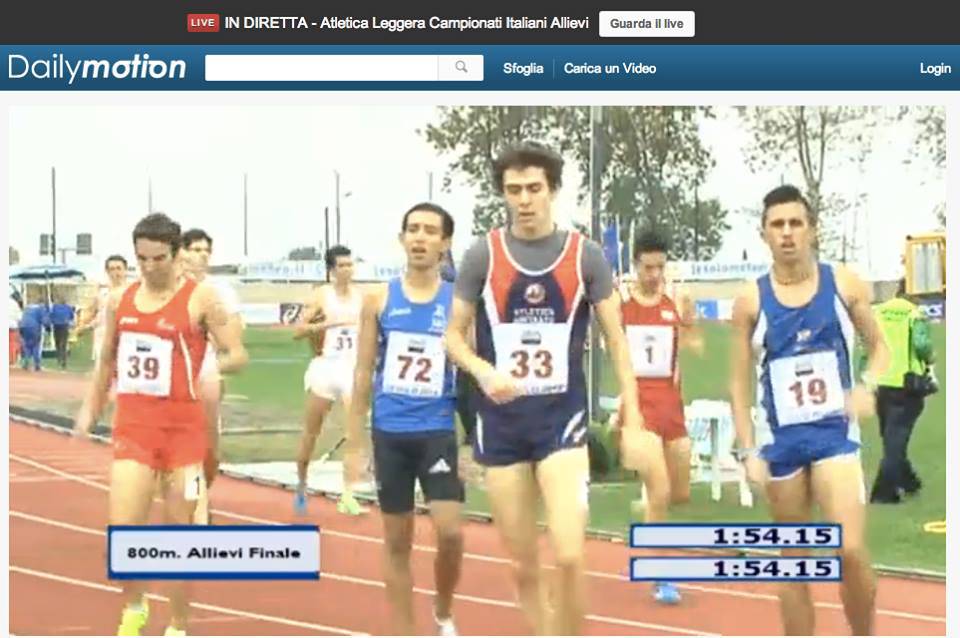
44	271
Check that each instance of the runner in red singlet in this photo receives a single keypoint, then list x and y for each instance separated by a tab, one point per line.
656	327
154	341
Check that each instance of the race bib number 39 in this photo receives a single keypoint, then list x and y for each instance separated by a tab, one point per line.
414	365
535	355
144	364
806	387
651	350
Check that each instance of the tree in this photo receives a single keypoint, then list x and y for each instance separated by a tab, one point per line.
650	158
814	138
932	134
475	135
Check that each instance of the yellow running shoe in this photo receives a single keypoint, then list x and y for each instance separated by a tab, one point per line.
133	620
173	631
350	506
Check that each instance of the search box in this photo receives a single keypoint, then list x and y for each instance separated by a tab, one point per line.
343	68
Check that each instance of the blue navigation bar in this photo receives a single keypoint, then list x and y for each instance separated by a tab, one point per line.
491	68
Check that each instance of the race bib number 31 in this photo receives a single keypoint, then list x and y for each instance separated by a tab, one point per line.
144	364
806	387
535	355
414	365
343	340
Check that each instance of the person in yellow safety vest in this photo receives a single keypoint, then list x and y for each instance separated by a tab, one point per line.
901	392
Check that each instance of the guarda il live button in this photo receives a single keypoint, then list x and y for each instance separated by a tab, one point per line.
935	69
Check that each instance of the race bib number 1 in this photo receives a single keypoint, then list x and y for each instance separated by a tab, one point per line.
144	364
651	350
806	388
415	365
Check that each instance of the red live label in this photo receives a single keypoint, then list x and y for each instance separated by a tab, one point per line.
201	22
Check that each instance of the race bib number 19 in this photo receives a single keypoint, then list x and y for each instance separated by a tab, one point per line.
806	388
415	365
144	364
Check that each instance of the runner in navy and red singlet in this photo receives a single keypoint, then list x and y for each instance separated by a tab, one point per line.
530	287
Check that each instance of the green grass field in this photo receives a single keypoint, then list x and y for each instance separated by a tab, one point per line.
266	399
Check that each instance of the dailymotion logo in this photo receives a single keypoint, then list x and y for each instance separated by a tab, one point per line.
58	67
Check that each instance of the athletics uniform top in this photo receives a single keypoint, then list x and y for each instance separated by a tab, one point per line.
805	372
330	374
414	385
340	342
653	335
532	314
159	418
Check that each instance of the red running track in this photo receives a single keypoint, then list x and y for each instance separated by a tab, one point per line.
58	585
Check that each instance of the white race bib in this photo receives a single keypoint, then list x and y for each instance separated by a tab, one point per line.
535	355
806	387
144	364
651	350
340	341
414	365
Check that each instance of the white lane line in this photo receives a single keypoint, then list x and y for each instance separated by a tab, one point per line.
494	559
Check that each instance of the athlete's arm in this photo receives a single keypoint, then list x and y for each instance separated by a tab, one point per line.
311	318
856	292
225	329
366	360
745	309
608	315
96	395
691	334
89	314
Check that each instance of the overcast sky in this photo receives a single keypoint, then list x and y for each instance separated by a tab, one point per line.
195	157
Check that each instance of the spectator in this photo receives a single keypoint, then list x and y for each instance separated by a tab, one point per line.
901	392
62	319
14	313
35	318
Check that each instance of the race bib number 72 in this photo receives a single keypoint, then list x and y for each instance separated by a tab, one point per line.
415	365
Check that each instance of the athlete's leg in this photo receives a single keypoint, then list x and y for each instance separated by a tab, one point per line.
182	487
398	541
790	502
564	479
446	516
443	490
315	411
839	490
348	504
397	472
513	495
211	393
131	495
643	450
677	456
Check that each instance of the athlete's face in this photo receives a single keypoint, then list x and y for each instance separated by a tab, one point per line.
342	272
422	239
529	198
157	263
650	268
788	232
196	257
116	272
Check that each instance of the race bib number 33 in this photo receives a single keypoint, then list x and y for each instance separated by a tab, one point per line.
806	387
535	355
144	364
415	365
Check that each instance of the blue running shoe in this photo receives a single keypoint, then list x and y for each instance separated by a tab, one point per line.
666	593
300	501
